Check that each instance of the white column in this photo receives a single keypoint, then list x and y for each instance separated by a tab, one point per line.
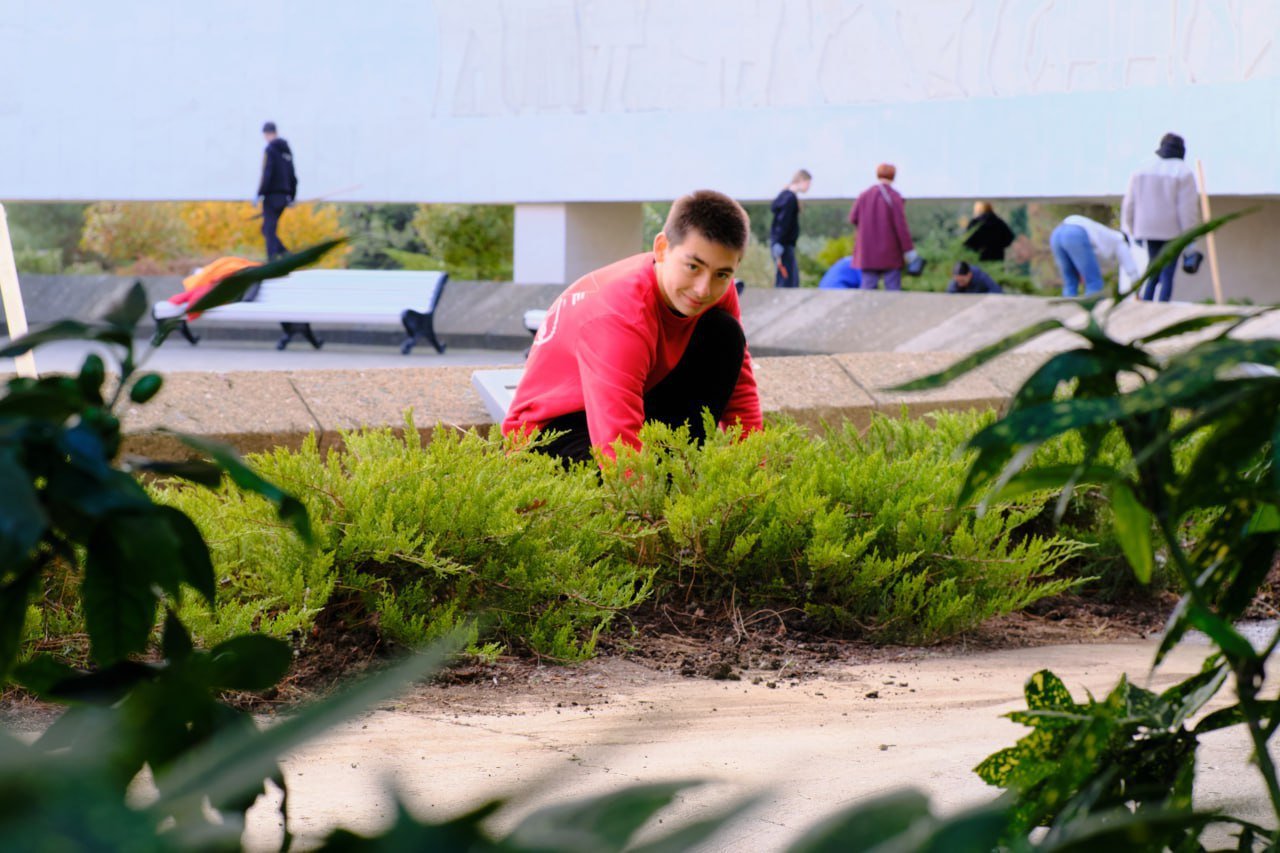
558	243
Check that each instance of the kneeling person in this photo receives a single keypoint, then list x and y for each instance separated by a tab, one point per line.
654	337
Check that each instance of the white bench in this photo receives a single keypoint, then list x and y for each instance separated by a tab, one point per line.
403	298
496	389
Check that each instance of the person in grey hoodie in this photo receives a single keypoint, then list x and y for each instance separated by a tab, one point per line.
1160	204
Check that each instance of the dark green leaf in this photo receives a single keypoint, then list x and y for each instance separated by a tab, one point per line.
119	606
289	508
234	286
463	833
1227	638
1186	698
238	761
14	598
66	330
1064	367
102	687
1175	627
1192	324
694	833
1122	830
1054	477
130	309
249	662
175	642
42	673
1133	529
23	521
595	825
977	830
195	470
165	328
979	358
1225	718
54	399
193	563
145	387
873	821
92	374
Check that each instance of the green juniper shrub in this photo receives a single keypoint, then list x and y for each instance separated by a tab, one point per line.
840	527
429	536
836	530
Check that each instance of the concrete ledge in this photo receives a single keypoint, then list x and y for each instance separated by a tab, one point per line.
258	411
261	410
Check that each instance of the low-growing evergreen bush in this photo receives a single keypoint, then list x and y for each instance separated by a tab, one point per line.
840	531
430	537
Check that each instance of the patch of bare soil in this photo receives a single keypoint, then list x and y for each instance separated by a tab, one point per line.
660	641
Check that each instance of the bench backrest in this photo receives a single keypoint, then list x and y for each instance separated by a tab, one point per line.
372	290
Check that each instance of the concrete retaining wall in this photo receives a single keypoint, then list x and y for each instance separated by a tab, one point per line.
843	350
806	321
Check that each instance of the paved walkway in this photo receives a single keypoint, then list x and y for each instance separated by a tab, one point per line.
809	748
177	356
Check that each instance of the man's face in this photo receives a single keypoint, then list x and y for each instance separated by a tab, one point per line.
694	275
964	278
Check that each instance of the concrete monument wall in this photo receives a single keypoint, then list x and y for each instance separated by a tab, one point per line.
565	101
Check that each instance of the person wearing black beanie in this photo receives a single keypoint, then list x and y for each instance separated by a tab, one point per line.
1160	204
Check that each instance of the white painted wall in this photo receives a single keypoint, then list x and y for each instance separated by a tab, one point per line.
625	100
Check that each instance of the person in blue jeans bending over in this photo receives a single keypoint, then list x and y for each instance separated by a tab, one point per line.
1081	247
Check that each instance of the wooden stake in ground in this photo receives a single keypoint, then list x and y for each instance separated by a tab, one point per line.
15	313
1209	241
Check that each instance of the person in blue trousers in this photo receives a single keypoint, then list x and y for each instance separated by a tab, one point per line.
1081	247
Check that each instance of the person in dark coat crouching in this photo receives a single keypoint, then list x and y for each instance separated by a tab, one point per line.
277	189
967	278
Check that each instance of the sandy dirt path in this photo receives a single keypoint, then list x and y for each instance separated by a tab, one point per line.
807	748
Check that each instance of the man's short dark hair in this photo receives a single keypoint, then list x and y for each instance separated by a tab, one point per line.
962	268
269	127
713	215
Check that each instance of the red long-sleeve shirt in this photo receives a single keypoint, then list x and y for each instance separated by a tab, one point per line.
607	340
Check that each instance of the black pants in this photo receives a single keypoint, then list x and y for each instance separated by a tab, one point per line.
272	206
704	378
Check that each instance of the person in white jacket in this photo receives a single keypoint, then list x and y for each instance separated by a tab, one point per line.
1081	247
1160	204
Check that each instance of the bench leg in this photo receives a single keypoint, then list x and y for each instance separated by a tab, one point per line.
419	325
304	329
185	331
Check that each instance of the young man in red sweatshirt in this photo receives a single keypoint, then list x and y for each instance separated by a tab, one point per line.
654	337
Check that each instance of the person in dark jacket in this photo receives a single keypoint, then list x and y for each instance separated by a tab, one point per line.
785	230
966	278
277	189
988	234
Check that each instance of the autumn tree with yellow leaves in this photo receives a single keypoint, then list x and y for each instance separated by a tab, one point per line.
172	237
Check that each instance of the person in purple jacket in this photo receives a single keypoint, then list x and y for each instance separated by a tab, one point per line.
883	240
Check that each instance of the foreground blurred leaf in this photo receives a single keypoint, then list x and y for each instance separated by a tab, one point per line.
233	287
979	358
289	508
601	824
1133	529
